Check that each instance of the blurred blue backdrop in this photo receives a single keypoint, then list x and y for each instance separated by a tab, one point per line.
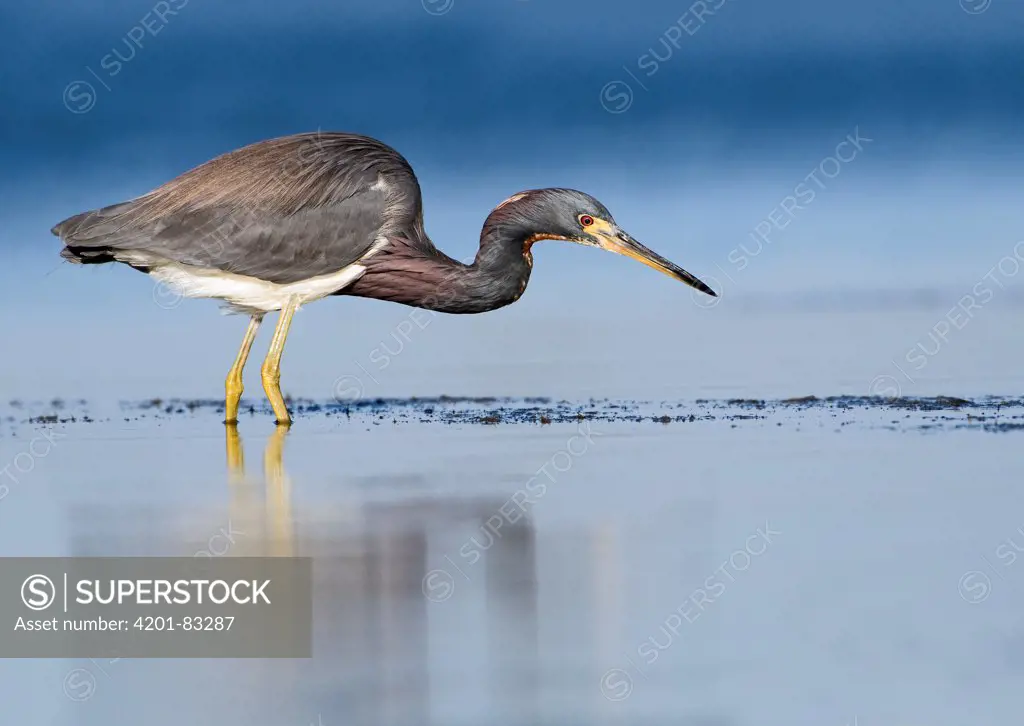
694	123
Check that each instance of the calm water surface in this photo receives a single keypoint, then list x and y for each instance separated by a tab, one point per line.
795	569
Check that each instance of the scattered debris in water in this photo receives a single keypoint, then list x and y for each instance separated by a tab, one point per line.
1002	428
797	401
995	414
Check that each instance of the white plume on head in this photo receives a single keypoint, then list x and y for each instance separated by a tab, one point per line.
513	198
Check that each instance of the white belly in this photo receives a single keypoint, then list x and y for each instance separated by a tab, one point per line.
249	294
245	294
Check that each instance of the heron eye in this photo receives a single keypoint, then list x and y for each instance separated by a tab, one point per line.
586	220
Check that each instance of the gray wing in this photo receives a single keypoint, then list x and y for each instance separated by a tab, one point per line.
283	210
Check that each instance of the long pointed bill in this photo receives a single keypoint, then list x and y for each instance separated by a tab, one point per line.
622	244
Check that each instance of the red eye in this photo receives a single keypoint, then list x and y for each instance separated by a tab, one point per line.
586	220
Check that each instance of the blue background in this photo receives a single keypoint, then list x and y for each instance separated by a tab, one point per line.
692	139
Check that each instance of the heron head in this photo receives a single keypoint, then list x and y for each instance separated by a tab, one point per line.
570	215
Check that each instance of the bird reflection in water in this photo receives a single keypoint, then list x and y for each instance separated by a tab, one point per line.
384	652
268	530
378	657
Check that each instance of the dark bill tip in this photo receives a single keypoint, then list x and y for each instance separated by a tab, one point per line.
626	245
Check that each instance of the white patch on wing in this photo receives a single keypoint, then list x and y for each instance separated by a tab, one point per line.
250	294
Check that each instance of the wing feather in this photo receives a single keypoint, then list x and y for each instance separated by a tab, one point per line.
281	210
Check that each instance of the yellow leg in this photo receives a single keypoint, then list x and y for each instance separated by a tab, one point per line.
233	385
272	364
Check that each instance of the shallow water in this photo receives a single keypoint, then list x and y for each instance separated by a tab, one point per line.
800	562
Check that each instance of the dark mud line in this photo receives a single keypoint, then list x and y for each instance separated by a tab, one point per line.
993	414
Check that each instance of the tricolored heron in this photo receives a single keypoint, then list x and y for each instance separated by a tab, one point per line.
283	222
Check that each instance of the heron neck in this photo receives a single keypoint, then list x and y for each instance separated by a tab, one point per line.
416	273
501	270
497	276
